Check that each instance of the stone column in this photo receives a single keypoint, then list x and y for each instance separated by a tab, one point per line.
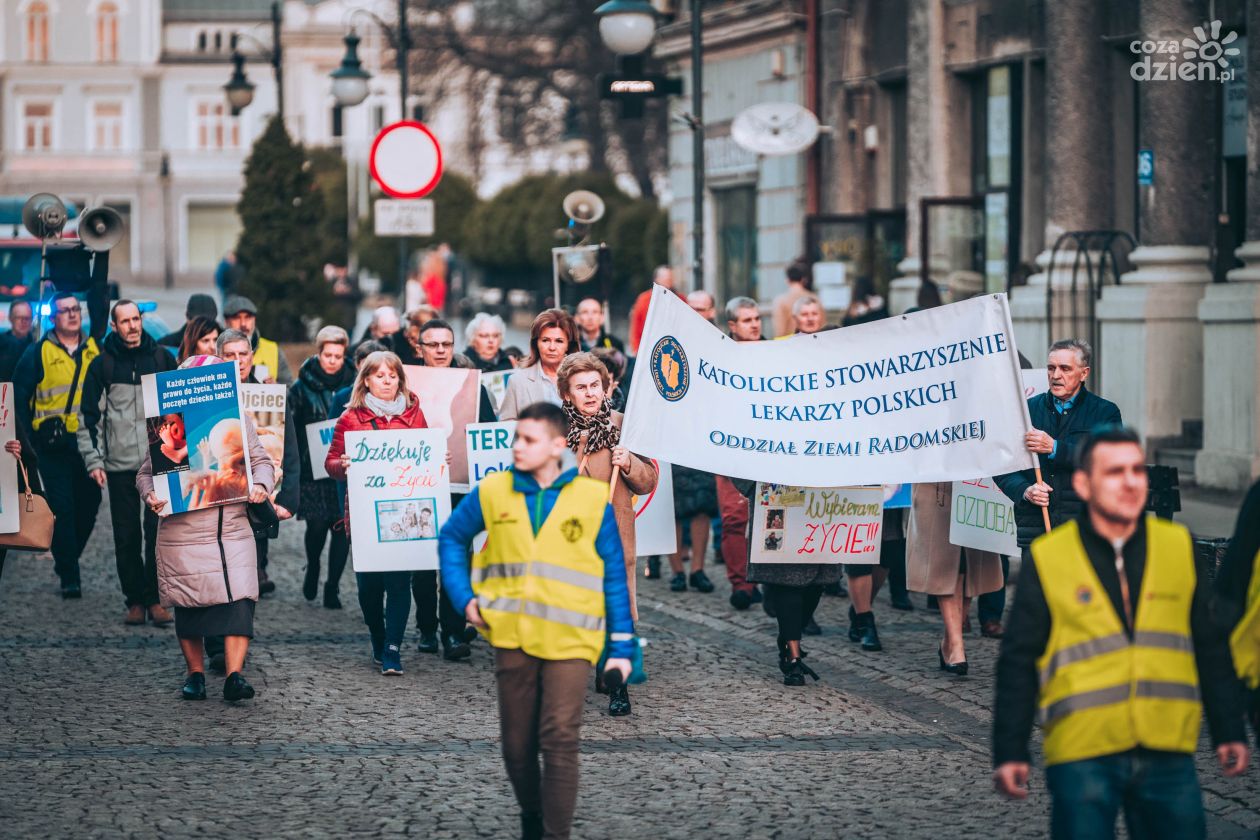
1078	183
928	118
1152	354
1230	312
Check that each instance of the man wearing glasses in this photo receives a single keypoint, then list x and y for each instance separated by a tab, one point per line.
48	390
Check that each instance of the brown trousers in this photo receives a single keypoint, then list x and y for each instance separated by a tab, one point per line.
540	710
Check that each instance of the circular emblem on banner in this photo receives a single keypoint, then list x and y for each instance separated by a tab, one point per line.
670	371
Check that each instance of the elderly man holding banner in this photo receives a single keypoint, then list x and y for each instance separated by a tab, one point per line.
1062	419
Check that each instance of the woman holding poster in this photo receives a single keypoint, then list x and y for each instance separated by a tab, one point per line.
207	568
311	398
594	437
379	401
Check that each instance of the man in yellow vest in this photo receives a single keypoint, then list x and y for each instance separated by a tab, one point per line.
239	313
47	395
547	588
1112	644
1238	590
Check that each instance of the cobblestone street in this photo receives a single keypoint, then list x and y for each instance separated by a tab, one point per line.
97	742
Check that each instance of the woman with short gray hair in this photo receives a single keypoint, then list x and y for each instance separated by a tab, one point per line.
484	334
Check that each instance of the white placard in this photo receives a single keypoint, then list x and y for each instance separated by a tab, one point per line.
831	285
983	517
400	496
817	524
319	438
9	520
495	382
929	396
403	216
489	448
655	533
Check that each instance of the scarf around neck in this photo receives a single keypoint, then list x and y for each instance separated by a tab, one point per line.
602	433
386	408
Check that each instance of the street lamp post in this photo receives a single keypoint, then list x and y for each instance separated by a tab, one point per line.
627	28
350	83
240	92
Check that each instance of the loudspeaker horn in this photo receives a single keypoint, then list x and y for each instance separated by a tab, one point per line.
101	228
584	207
44	215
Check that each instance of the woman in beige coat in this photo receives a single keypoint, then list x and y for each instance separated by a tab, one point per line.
595	436
207	568
954	575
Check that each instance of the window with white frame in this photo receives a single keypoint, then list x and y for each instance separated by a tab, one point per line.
107	126
37	125
213	126
36	31
107	32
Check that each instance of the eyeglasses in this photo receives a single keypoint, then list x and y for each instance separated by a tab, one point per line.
434	345
69	310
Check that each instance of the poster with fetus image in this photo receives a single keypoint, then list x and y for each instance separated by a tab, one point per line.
195	430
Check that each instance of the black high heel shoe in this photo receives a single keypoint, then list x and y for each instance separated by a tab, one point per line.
958	668
796	672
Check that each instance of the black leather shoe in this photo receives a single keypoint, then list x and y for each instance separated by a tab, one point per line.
618	702
71	591
531	825
812	628
870	636
194	687
700	582
454	649
236	688
796	673
855	626
678	583
901	601
266	585
741	600
958	668
332	600
428	643
653	570
310	583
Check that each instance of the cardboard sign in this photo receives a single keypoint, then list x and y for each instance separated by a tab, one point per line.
496	383
319	438
196	437
449	398
264	404
489	448
400	496
983	517
655	532
817	524
9	522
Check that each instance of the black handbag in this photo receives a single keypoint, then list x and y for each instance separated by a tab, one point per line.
263	519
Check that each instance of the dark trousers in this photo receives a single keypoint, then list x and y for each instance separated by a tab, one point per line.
793	608
135	539
540	710
991	605
385	598
260	548
74	499
734	509
433	607
1158	791
318	532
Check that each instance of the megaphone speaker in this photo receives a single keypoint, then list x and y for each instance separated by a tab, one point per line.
101	228
44	215
584	207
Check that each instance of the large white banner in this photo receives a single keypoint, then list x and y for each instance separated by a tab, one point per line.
983	518
929	396
400	496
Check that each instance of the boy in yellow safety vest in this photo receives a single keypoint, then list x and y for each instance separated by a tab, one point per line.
1113	645
547	588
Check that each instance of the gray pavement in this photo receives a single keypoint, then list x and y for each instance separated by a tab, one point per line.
97	743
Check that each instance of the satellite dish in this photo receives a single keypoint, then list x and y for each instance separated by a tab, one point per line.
775	128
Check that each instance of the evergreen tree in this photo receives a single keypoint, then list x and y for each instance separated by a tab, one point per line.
282	216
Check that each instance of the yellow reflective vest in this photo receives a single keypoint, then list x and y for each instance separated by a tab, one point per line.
1244	642
1103	693
542	594
62	381
268	353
